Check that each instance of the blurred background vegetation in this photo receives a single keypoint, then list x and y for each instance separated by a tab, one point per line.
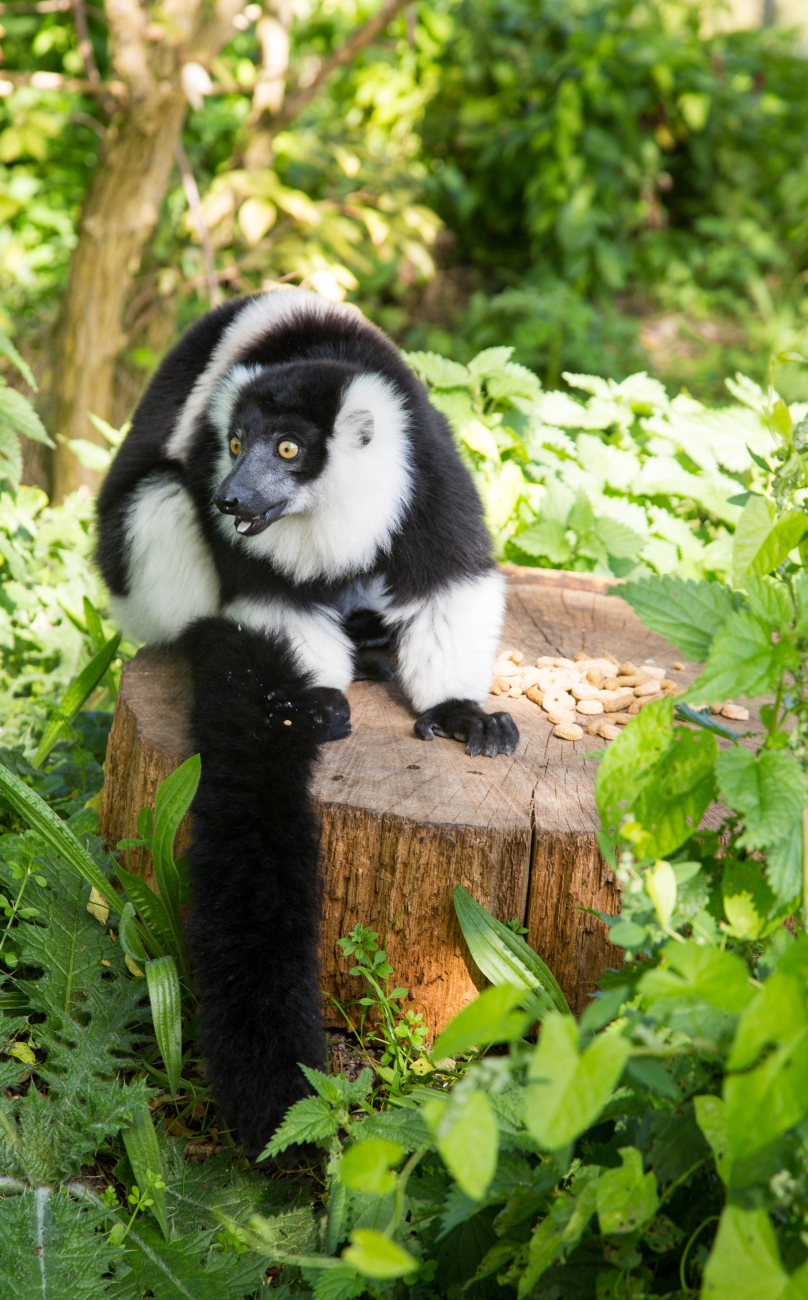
606	186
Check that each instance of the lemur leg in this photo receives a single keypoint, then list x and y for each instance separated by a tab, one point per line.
319	644
171	577
446	650
255	884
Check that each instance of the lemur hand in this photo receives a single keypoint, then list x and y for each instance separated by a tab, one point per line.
484	733
331	710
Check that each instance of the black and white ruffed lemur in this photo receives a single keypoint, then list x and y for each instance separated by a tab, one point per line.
286	487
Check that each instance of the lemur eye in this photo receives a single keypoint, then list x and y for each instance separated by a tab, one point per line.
235	446
288	449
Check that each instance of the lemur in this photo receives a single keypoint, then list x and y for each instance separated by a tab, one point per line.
287	490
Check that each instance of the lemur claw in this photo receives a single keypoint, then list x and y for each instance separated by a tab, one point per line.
488	734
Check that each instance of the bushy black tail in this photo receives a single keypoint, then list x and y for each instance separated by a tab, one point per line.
258	724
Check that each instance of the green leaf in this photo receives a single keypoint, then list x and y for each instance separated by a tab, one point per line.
784	866
676	793
8	350
366	1166
467	1137
171	803
11	469
164	995
686	613
626	1198
782	539
768	789
77	692
770	600
152	915
744	1263
309	1120
699	973
490	362
439	371
341	1283
17	413
143	1151
373	1255
502	956
52	829
751	531
490	1018
712	1120
743	661
567	1089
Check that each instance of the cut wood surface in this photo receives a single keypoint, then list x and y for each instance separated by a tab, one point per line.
404	821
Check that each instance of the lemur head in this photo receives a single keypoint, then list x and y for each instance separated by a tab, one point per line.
278	426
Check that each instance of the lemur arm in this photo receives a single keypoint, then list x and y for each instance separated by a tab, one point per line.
447	644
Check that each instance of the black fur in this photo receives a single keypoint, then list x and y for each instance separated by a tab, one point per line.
482	733
254	872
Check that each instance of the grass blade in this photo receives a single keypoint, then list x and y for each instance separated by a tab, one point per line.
502	956
152	914
75	695
143	1151
170	806
164	995
56	834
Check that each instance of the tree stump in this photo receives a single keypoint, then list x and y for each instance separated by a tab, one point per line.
403	822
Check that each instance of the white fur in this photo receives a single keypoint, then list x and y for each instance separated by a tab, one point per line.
172	577
258	317
320	645
349	514
447	644
226	395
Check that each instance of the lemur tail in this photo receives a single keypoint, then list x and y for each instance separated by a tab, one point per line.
258	724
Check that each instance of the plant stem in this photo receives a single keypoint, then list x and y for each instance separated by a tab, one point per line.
401	1187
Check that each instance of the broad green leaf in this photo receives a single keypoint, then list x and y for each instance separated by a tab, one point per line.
309	1120
622	770
340	1283
782	538
626	1197
467	1137
165	998
373	1255
751	531
784	865
11	469
480	439
768	789
502	956
660	884
700	973
744	1263
366	1166
742	661
567	1089
686	613
77	692
490	362
712	1120
490	1018
58	837
766	1087
749	903
143	1151
152	915
129	937
770	600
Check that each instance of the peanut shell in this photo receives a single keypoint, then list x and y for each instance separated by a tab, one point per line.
590	707
568	731
620	700
647	688
735	711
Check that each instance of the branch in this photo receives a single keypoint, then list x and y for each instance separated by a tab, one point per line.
55	81
358	40
83	41
198	216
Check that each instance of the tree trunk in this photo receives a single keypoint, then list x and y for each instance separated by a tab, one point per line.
119	217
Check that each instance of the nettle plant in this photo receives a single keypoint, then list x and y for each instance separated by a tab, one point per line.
625	482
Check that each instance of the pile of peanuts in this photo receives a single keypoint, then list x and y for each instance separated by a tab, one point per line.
603	691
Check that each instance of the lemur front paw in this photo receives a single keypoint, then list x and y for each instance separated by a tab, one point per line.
330	711
483	733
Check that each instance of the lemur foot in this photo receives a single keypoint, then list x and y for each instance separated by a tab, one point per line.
331	711
367	669
484	733
366	629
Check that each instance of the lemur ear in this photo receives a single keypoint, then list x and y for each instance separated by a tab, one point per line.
358	426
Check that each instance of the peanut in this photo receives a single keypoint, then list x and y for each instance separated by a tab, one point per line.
515	692
647	688
627	669
563	663
576	659
679	668
583	691
651	670
608	731
735	711
517	656
568	731
533	693
590	707
608	655
620	700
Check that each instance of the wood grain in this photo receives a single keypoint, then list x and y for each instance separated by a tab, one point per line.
403	822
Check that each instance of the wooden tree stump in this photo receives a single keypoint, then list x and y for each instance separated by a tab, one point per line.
403	822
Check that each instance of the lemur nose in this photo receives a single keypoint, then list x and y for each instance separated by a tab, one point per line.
227	505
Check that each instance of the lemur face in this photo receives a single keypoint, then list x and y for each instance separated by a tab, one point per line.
276	446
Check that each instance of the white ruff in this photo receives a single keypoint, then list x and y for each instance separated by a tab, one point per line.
349	514
257	318
320	645
447	644
226	395
172	577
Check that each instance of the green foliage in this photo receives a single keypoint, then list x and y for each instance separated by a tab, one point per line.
626	483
